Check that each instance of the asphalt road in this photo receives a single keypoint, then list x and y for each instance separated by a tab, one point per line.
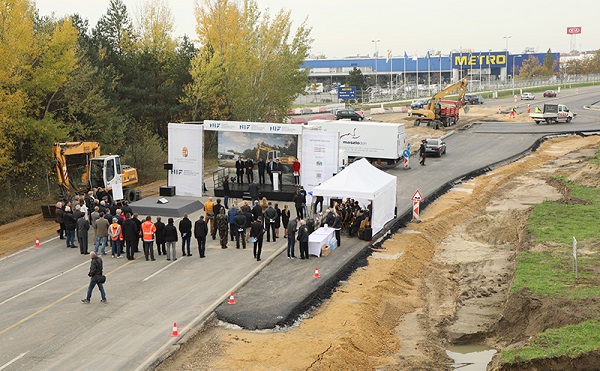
45	326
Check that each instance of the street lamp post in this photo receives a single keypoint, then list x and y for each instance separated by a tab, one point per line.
376	58
513	73
506	38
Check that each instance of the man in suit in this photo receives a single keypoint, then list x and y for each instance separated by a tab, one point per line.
249	164
262	166
278	167
240	166
270	165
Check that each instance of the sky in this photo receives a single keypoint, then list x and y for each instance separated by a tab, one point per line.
343	28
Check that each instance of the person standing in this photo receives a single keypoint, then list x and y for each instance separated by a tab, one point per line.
277	220
249	219
337	224
148	236
291	237
278	167
303	234
299	205
138	224
83	226
240	166
160	236
216	210
240	230
262	166
95	215
209	215
296	171
249	165
223	227
60	219
115	234
422	152
70	227
95	273
285	219
257	232
171	239
256	210
254	191
270	216
185	228
231	214
318	201
226	192
200	232
130	235
101	227
270	165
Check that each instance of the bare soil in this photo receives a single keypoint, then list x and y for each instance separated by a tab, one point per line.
444	280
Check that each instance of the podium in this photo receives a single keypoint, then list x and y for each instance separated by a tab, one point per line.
276	185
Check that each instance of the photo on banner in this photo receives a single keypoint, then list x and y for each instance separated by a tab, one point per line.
186	155
232	144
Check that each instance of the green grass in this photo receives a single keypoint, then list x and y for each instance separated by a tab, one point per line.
552	221
570	341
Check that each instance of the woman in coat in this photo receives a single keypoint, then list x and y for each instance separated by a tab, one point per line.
285	219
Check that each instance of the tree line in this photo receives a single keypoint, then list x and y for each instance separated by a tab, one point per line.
121	81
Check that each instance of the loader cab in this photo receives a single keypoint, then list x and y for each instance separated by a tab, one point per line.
105	171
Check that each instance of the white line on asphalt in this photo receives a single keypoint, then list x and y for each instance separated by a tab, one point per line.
160	270
14	360
43	283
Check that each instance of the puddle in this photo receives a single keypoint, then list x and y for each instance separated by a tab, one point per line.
470	357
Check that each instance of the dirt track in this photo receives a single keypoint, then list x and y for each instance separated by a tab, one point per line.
445	279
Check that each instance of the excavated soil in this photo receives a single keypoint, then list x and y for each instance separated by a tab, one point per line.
444	280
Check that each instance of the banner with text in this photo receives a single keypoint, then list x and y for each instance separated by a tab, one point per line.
320	151
185	153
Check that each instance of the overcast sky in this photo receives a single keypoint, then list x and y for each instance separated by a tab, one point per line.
342	28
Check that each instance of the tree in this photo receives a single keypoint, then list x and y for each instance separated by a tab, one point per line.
249	65
356	78
531	67
549	62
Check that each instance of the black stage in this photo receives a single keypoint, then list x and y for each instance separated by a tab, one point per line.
286	192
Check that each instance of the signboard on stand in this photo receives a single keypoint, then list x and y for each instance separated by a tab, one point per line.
186	155
320	151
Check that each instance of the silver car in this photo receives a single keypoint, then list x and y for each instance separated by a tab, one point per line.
527	96
435	146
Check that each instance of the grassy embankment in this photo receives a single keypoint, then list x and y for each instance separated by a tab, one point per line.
549	272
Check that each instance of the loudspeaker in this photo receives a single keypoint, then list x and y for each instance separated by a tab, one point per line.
368	234
167	191
168	166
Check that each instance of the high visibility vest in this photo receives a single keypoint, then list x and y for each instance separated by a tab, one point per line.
148	230
114	231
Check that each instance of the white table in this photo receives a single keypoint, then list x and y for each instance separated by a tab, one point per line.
318	238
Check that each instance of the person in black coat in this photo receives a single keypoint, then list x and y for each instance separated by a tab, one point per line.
303	233
160	237
256	232
70	227
226	192
200	232
216	210
249	165
249	219
270	215
130	235
240	230
254	191
299	205
138	225
185	228
171	240
95	271
256	210
240	166
262	166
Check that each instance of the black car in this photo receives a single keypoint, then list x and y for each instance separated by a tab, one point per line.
349	114
435	146
419	103
473	99
550	94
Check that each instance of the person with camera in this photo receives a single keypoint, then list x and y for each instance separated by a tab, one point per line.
96	278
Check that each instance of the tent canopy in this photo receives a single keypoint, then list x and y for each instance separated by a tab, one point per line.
363	181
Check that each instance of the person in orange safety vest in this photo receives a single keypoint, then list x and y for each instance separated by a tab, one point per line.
115	233
148	232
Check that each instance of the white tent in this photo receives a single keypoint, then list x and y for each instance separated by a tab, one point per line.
366	184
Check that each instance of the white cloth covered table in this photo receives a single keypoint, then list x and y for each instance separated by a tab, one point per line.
318	238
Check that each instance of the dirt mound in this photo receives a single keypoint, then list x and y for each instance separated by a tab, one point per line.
500	227
589	176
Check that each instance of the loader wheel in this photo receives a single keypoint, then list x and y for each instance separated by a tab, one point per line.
417	122
129	195
568	119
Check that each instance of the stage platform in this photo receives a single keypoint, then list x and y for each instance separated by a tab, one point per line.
176	207
266	190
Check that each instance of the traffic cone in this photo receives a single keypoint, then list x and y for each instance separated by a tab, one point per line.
175	332
37	242
317	273
231	299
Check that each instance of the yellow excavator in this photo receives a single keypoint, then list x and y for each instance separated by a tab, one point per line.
80	167
440	112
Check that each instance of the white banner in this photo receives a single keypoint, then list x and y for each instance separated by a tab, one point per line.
252	127
186	155
320	151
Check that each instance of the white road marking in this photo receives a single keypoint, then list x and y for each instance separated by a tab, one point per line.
13	360
160	270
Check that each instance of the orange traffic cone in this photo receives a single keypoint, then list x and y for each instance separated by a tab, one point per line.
37	242
317	273
231	299
175	332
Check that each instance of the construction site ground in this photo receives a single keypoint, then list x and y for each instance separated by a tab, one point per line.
442	281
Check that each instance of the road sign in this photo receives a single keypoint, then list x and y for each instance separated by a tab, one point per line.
408	146
417	196
406	153
347	92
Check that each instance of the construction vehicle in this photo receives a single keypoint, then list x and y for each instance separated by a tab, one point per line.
440	112
80	167
286	161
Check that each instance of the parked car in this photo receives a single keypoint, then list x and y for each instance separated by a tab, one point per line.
349	114
473	99
419	103
550	94
527	96
435	146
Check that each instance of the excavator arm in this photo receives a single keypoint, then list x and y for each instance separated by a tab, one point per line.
431	110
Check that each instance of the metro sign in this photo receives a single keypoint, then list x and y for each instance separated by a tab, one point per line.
573	30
